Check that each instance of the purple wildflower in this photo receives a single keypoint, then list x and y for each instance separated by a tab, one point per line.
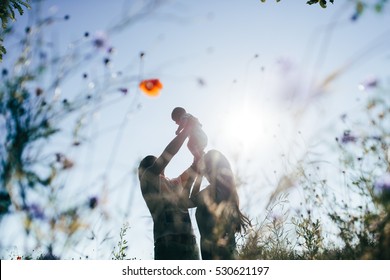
369	83
377	138
348	137
100	40
382	184
93	202
285	65
36	211
355	16
123	90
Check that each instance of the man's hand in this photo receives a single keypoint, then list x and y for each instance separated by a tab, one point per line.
171	150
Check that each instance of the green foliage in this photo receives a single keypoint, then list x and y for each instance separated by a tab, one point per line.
8	8
322	3
7	12
310	2
42	129
265	0
120	252
309	236
269	239
30	178
360	5
2	49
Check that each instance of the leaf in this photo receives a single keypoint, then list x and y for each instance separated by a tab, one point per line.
378	7
11	13
359	7
311	2
2	51
18	7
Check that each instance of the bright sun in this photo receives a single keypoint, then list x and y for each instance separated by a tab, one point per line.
243	127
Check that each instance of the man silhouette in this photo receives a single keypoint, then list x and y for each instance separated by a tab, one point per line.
174	238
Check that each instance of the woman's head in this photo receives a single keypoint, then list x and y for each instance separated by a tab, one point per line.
216	164
218	172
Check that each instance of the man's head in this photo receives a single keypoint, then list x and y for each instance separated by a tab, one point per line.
177	113
145	163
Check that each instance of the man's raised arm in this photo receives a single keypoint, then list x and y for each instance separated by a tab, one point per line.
171	149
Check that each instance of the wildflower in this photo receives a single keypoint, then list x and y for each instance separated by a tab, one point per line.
355	16
76	143
93	202
369	83
110	50
382	185
100	40
286	65
106	61
275	217
123	90
65	162
348	138
38	91
201	82
381	189
151	87
18	258
36	211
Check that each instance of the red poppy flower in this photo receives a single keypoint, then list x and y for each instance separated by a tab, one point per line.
151	87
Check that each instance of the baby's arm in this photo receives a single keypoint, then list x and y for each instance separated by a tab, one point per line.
183	122
180	128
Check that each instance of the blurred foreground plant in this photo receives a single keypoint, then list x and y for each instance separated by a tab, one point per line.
120	252
345	211
42	125
7	12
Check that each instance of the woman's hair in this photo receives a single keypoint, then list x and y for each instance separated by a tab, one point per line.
221	178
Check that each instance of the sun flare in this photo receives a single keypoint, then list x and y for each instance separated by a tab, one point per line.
243	127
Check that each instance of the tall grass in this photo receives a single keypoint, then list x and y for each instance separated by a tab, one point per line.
346	218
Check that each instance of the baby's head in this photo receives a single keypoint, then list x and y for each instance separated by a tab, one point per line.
177	113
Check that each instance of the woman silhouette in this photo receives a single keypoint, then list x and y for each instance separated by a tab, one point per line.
218	215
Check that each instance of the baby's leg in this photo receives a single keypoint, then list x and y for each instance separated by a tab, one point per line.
194	148
201	139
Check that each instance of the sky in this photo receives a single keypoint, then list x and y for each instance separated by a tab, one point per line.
249	71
